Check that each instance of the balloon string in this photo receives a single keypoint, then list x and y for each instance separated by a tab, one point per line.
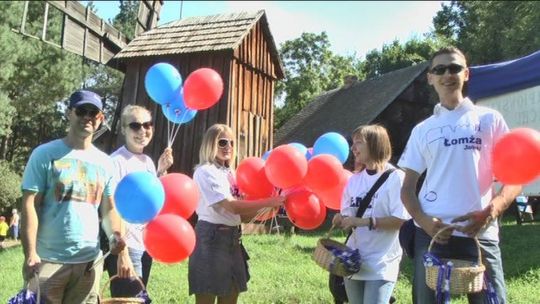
179	124
168	127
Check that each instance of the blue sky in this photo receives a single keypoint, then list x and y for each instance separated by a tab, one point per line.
353	27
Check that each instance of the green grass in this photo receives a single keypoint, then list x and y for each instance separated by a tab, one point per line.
282	270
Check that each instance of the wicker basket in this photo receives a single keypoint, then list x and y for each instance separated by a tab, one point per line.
466	276
132	300
327	260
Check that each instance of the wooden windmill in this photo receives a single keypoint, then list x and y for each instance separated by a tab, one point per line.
238	46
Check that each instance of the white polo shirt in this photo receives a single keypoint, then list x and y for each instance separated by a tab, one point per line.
216	184
380	252
455	146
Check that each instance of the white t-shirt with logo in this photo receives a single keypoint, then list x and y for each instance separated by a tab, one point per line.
127	162
216	183
455	146
380	252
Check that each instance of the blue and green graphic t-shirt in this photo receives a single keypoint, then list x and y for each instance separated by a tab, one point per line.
73	183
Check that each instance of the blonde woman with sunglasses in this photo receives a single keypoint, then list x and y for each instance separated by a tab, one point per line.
218	265
137	128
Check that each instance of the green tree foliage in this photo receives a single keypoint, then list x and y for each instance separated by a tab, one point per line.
34	77
126	19
491	31
395	56
310	69
10	185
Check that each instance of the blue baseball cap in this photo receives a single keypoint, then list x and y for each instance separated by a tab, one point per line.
83	97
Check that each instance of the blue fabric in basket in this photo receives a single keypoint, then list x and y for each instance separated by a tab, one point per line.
349	257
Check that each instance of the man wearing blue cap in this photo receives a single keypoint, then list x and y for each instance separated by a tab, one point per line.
66	183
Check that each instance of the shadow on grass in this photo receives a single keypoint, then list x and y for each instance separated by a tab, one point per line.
520	246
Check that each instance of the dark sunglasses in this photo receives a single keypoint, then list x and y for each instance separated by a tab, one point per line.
452	69
82	112
222	143
136	126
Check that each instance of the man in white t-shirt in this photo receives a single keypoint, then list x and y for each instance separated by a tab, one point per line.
454	145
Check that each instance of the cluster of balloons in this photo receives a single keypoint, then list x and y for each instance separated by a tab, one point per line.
164	205
516	157
312	178
201	90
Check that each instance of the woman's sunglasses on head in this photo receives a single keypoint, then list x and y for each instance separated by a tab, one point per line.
136	126
223	142
452	69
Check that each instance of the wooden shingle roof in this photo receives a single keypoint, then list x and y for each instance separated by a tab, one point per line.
200	34
342	110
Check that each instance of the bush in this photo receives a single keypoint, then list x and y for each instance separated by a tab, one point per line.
10	186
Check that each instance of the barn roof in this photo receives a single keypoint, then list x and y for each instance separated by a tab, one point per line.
200	34
343	109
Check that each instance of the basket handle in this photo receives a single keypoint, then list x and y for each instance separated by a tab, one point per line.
453	227
327	235
115	277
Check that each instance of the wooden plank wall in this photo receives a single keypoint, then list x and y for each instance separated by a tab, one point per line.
187	143
252	93
246	104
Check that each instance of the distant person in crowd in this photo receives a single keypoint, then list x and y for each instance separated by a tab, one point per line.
137	128
3	231
14	224
454	146
218	266
66	184
375	233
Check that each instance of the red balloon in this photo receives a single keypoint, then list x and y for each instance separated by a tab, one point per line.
516	157
305	210
181	195
202	89
332	197
169	238
286	167
251	178
324	171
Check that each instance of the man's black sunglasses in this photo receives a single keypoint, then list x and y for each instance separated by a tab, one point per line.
82	112
136	126
452	69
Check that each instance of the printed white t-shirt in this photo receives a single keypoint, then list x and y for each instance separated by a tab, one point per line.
216	184
127	162
455	146
380	252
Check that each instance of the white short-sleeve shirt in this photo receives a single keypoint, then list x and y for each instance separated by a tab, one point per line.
455	146
380	252
216	183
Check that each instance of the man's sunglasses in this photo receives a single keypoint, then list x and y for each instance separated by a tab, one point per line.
223	142
82	112
452	69
136	126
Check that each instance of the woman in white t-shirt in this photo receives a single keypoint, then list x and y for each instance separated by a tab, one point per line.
137	128
375	234
218	265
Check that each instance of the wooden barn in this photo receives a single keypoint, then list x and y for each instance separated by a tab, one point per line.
397	100
240	48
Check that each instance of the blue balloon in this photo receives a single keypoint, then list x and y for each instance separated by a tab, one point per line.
163	83
177	112
266	154
309	154
300	148
334	144
139	197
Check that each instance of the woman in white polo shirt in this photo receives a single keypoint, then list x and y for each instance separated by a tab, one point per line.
218	267
375	234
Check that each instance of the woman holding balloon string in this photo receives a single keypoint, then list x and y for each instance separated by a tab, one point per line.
137	128
376	232
218	267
